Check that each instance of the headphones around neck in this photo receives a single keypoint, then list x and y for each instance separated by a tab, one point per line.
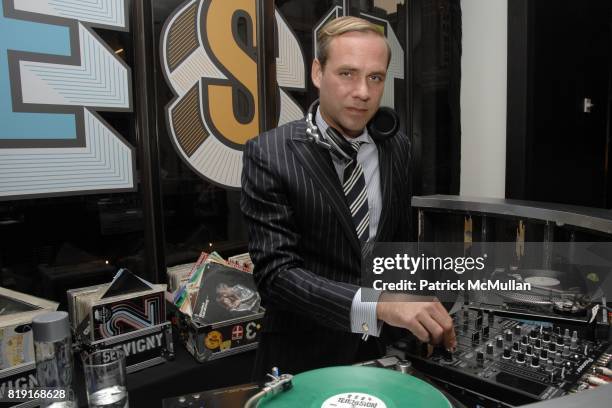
381	127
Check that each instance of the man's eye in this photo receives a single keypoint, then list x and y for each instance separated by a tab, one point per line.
345	73
376	78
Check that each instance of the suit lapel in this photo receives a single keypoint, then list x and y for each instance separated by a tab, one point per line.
386	183
318	163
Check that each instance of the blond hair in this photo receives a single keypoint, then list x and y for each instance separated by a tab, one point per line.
343	25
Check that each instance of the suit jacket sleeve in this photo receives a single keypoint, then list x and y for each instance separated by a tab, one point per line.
282	280
403	165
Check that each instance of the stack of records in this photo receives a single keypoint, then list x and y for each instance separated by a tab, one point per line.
217	290
127	304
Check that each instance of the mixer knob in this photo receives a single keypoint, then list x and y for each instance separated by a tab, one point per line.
574	340
524	341
560	341
529	351
535	361
508	336
549	365
558	358
566	351
517	330
546	337
552	347
520	358
480	358
538	344
499	342
544	354
490	349
533	334
566	337
507	353
516	346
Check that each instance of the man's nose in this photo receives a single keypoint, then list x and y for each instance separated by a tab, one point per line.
362	90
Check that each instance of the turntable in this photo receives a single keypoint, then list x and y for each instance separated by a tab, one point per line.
383	383
353	387
554	294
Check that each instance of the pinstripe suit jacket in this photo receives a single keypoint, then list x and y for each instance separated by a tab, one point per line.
301	236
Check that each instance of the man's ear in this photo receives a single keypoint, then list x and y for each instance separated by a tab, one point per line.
316	72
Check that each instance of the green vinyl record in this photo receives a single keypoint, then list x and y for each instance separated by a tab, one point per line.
357	387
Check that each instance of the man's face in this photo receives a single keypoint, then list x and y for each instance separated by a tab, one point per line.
353	80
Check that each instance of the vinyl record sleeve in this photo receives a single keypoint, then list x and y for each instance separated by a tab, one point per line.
225	293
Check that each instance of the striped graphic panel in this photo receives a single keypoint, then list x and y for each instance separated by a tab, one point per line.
183	36
290	71
104	163
289	109
187	122
100	79
187	59
79	75
99	12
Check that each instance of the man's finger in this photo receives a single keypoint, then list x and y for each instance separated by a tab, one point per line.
450	340
436	331
442	317
418	330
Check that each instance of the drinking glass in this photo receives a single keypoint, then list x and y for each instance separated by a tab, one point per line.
105	379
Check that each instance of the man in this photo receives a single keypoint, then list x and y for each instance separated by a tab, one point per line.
308	217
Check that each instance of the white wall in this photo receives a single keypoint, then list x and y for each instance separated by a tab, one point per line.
483	97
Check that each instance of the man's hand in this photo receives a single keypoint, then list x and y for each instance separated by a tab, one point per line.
425	318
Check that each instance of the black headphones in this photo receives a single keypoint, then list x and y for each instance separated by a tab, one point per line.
381	127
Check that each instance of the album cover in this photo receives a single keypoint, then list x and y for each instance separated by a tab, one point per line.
123	314
225	293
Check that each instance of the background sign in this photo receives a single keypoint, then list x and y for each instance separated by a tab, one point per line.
55	73
209	58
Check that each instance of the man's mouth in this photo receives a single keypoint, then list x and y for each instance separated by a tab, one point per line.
357	111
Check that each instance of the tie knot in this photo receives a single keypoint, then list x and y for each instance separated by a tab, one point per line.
355	146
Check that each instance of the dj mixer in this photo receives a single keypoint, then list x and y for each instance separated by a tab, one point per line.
507	361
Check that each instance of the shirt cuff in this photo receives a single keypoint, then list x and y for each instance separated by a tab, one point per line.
363	312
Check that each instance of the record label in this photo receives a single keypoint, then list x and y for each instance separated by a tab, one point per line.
353	400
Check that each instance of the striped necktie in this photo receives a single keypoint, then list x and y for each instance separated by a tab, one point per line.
356	194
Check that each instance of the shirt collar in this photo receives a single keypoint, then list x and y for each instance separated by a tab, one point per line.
322	125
